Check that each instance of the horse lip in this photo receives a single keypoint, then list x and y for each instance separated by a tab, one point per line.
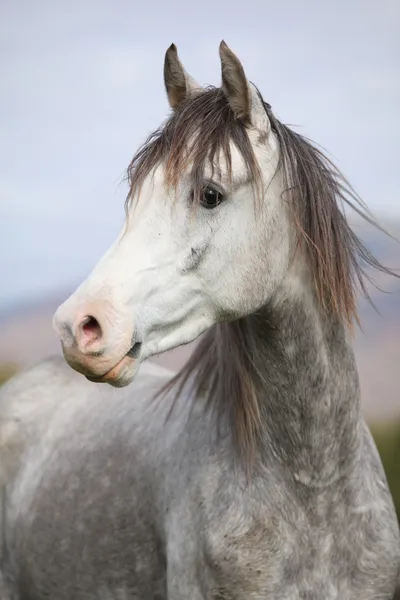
132	354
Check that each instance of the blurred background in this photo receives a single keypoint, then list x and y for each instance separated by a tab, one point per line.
81	87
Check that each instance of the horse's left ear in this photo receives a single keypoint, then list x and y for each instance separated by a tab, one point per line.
178	83
241	94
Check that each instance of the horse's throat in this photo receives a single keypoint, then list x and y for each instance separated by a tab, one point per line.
309	392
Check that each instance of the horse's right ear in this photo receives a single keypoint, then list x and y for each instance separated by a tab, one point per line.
242	95
178	83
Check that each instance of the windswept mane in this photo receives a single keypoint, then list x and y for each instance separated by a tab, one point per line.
315	190
202	127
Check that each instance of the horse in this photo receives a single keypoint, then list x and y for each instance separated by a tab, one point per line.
250	474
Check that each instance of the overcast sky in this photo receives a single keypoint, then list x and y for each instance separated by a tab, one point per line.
81	86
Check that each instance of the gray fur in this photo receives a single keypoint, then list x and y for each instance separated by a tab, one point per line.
105	498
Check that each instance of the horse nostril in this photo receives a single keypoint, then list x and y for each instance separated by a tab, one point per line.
91	330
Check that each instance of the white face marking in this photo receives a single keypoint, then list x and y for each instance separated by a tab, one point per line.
174	272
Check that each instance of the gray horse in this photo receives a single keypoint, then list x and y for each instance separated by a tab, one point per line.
250	474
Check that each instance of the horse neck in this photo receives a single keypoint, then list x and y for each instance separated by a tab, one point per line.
308	387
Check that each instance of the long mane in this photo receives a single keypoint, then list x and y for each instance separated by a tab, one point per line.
316	193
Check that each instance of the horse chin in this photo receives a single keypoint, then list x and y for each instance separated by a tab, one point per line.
121	375
123	381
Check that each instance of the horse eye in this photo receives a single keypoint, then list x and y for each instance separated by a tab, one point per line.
211	197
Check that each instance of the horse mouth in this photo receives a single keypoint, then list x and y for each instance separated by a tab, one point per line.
117	375
135	350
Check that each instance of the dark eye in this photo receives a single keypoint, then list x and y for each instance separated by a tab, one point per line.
211	197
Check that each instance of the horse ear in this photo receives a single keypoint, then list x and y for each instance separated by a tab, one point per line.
178	83
240	93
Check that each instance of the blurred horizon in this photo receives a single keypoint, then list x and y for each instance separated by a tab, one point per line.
27	335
